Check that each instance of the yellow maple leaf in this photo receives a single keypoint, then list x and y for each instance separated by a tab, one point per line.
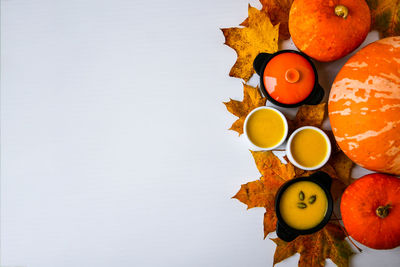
259	35
251	99
268	165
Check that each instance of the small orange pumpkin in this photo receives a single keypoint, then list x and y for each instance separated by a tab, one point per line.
370	210
364	106
327	30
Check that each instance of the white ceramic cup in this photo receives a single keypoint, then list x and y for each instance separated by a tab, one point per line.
289	152
284	134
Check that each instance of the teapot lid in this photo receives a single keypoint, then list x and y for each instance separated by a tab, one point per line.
289	78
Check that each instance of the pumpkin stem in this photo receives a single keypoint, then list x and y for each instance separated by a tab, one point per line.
383	211
341	11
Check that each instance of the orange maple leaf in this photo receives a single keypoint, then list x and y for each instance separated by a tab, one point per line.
259	35
251	99
261	193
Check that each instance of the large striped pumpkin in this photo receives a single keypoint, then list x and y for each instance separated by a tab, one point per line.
364	106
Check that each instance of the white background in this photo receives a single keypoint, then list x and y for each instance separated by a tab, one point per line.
114	141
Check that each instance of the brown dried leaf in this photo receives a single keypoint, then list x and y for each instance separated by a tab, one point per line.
258	36
314	249
385	16
310	115
251	99
343	167
335	146
278	11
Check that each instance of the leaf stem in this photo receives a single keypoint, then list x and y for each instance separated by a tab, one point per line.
346	233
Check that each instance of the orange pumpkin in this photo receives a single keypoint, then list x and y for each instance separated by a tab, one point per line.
364	106
370	210
327	30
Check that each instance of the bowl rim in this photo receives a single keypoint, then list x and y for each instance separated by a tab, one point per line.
289	152
286	130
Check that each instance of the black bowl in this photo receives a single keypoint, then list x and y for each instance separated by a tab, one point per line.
314	98
287	233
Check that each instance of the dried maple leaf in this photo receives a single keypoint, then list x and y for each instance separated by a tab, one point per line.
335	146
343	166
251	99
268	165
278	12
385	16
259	35
315	248
261	193
310	115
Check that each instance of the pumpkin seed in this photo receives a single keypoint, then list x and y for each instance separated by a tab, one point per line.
312	199
301	205
301	196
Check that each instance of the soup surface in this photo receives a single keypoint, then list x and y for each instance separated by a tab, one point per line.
303	205
265	128
309	148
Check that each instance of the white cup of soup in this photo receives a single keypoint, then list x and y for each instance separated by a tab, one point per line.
265	128
308	148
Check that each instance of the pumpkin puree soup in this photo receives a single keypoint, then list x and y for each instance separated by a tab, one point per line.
309	148
303	205
265	128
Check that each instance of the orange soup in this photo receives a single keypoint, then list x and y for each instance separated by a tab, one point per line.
265	128
309	148
303	205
